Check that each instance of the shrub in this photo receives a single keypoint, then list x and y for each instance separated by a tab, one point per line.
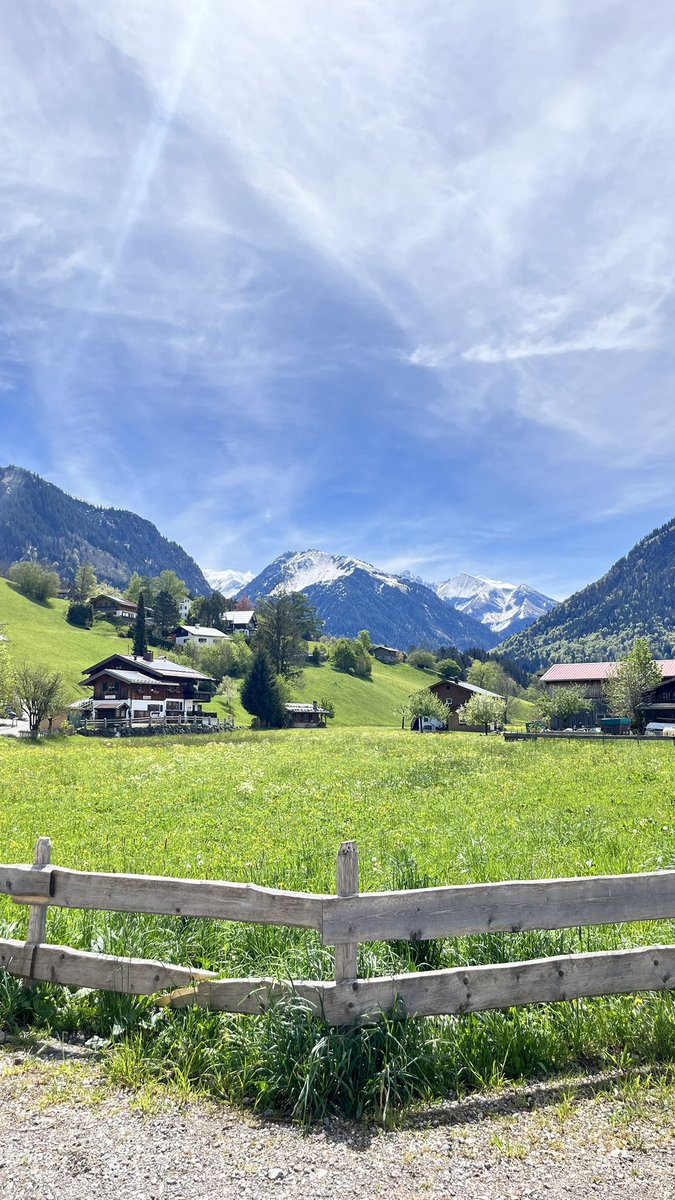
423	659
80	614
34	581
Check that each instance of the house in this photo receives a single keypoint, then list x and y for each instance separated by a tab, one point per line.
184	607
308	716
388	654
196	635
593	676
456	693
240	621
115	608
129	689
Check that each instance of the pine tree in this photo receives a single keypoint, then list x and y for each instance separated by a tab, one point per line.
261	695
140	632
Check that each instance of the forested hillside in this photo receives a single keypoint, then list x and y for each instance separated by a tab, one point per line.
636	598
37	517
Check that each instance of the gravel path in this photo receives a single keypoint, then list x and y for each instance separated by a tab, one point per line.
66	1135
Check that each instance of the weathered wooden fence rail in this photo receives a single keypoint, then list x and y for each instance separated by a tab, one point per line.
344	920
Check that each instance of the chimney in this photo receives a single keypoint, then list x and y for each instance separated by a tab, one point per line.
148	656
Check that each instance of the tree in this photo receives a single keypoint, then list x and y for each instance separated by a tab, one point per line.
244	604
140	583
489	711
80	614
448	669
84	585
261	694
40	694
488	675
208	610
423	659
344	656
426	704
34	581
285	624
635	675
168	581
365	639
165	611
140	630
403	711
229	657
564	704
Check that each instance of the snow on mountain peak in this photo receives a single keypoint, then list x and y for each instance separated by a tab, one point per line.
494	602
309	568
228	583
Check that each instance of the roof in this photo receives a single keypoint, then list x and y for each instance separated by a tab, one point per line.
240	616
125	676
389	649
155	669
307	708
591	672
469	687
201	631
119	600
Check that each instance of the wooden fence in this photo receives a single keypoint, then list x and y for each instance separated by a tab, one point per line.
344	920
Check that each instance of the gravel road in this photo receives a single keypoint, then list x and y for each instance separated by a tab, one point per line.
66	1135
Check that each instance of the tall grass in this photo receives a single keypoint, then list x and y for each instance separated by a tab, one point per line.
274	810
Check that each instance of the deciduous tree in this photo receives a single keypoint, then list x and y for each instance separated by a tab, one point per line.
40	694
635	676
34	581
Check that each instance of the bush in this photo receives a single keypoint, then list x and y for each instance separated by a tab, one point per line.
423	659
34	581
80	614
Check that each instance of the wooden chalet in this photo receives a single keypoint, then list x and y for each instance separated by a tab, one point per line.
240	621
388	654
129	689
115	608
308	716
456	693
659	704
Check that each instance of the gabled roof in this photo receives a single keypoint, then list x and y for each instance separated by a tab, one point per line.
200	631
469	687
118	600
159	668
125	676
593	672
240	616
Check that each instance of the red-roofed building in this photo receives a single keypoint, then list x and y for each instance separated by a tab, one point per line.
659	704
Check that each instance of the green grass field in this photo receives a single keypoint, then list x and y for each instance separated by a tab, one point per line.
273	808
39	633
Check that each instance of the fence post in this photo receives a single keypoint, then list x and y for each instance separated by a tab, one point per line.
37	921
347	885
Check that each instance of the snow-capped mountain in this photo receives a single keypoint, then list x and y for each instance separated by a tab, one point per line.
505	607
228	583
350	594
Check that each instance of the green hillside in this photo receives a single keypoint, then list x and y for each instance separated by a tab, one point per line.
40	633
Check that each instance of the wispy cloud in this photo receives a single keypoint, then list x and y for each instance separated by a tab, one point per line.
256	248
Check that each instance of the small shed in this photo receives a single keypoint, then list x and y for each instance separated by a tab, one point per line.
388	654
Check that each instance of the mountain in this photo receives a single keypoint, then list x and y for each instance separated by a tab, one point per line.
350	595
636	598
37	517
228	583
506	608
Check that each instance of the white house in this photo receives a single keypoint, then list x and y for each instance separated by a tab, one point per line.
196	635
184	607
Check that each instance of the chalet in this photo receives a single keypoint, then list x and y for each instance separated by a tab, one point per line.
659	704
129	689
184	607
456	693
116	608
196	635
240	621
388	654
308	716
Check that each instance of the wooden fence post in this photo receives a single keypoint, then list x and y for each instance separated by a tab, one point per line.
347	885
37	921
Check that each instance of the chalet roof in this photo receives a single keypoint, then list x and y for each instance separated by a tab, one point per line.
200	631
388	649
157	669
240	616
469	687
124	676
307	708
119	600
592	672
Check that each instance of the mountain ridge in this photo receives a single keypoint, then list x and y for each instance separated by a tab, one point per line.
634	598
38	517
507	608
351	594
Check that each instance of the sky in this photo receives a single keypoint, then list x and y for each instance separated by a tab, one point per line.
390	280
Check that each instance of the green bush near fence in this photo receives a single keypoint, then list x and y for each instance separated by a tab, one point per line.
273	809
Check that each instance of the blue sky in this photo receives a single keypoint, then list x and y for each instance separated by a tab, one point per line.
389	280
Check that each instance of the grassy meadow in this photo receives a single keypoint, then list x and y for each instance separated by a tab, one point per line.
273	809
